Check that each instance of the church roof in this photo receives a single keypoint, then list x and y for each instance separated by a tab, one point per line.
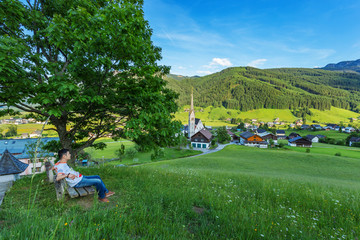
197	120
10	165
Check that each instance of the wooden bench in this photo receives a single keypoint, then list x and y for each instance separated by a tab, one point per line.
62	188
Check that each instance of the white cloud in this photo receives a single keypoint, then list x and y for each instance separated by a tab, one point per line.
204	72
225	62
216	62
257	63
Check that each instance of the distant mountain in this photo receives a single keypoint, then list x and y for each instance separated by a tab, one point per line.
247	88
345	66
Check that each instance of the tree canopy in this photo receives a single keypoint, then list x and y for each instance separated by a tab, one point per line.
89	66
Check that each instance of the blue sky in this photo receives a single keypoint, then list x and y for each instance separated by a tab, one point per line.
201	37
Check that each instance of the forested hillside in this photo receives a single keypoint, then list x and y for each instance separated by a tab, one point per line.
247	88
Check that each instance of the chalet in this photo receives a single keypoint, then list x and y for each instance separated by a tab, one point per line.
259	131
270	124
316	127
201	139
280	134
312	138
36	133
331	126
20	149
10	168
298	122
305	126
234	137
252	140
354	140
292	125
299	142
267	136
349	130
293	135
320	136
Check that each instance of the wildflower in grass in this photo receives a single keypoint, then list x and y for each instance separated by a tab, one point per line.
66	224
255	230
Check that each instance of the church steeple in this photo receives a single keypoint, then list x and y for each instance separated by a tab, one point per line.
191	116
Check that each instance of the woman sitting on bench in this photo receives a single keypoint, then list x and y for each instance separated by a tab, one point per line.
76	180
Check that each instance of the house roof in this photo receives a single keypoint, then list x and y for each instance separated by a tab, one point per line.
354	139
294	134
280	131
296	139
18	146
310	137
321	136
264	134
261	130
208	135
10	165
246	135
230	132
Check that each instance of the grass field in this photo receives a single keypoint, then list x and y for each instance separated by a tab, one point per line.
209	114
140	157
236	193
331	134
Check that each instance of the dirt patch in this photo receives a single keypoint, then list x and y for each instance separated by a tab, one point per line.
85	203
198	210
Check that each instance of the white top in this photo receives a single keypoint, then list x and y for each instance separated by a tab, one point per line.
63	168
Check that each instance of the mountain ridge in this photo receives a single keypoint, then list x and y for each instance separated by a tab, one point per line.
247	88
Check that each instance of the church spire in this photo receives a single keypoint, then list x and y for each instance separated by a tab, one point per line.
192	99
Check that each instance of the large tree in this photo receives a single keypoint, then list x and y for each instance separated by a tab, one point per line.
89	66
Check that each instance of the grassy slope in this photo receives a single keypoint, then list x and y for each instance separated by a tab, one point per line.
243	193
210	114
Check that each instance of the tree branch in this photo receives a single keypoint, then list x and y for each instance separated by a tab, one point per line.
27	108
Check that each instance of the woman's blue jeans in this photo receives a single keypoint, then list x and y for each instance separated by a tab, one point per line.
96	181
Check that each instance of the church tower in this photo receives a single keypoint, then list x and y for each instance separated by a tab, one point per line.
191	117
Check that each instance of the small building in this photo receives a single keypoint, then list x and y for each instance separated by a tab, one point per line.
234	137
280	134
293	135
201	139
299	142
267	136
331	126
354	140
259	131
305	126
349	130
252	140
312	138
320	136
36	134
316	127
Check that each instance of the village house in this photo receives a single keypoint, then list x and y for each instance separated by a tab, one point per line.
234	137
299	142
292	125
354	140
320	136
331	126
316	127
280	134
349	130
305	127
252	140
270	124
267	136
201	139
260	130
293	135
35	134
312	138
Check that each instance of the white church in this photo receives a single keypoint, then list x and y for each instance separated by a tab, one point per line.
199	136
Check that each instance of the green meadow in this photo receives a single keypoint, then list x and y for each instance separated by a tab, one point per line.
236	193
211	114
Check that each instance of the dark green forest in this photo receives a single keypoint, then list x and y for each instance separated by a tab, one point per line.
247	88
